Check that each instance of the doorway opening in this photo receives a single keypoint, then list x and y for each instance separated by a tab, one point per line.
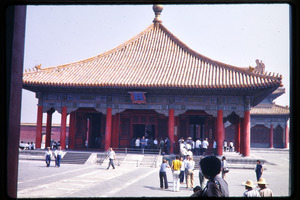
197	127
94	130
140	130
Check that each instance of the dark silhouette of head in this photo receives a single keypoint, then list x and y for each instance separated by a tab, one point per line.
210	166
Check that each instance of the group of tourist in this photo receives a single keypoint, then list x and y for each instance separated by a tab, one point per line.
27	146
149	143
228	147
209	169
180	168
58	155
191	147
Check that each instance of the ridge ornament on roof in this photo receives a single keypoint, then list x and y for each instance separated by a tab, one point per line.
157	10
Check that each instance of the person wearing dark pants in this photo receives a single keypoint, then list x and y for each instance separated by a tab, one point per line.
258	169
163	174
48	156
111	155
58	155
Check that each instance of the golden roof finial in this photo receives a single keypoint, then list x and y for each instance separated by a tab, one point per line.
157	10
38	67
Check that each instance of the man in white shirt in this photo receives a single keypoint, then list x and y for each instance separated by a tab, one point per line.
205	144
190	173
188	146
185	163
189	153
137	143
111	155
183	152
58	155
48	156
215	147
197	145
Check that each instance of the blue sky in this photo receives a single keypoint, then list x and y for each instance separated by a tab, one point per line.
233	34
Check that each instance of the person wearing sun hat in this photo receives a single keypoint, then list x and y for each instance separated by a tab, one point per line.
250	192
264	191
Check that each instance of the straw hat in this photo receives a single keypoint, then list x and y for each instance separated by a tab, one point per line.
189	138
262	181
248	183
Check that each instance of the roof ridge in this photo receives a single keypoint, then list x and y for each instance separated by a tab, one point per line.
127	42
212	61
280	106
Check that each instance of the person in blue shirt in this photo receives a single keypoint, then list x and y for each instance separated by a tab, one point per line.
258	169
163	174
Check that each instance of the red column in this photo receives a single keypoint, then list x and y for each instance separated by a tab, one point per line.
48	127
63	127
108	129
271	136
246	139
72	131
219	132
115	130
171	129
39	126
286	136
242	137
176	136
237	135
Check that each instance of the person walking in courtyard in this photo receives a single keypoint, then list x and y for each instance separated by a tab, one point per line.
258	169
224	167
48	156
215	186
264	191
58	156
250	192
190	173
112	156
163	174
176	164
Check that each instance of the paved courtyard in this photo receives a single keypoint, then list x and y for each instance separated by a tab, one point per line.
70	180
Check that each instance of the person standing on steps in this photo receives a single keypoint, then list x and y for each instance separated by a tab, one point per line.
112	156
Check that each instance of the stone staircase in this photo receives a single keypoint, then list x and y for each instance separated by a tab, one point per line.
148	160
75	158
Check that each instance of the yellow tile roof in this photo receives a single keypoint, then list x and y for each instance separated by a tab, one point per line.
155	58
273	109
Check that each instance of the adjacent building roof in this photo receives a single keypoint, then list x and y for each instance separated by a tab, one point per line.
270	110
155	58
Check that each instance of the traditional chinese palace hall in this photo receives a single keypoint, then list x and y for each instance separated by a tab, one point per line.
153	85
